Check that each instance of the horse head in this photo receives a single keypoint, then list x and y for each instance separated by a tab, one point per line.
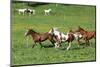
30	31
51	31
79	29
49	9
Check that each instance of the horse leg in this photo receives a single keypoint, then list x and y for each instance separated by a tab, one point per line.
78	42
52	41
59	45
23	13
69	45
56	45
88	43
40	44
33	45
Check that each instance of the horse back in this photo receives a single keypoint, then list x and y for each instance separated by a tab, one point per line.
91	34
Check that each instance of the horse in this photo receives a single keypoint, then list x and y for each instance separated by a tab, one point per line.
21	11
30	11
86	35
77	36
38	38
61	37
47	12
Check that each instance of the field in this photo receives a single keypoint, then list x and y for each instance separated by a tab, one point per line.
64	17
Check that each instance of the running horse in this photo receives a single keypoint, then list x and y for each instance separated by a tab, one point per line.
77	36
38	38
86	35
61	37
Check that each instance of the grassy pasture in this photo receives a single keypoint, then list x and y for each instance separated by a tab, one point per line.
64	17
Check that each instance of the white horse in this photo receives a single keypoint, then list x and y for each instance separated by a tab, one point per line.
21	11
47	12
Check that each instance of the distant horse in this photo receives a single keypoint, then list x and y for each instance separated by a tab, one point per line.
61	37
47	12
86	35
38	38
21	11
30	11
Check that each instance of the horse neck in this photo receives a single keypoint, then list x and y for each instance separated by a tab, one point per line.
33	34
83	32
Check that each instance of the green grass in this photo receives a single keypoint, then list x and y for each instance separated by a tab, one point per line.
65	17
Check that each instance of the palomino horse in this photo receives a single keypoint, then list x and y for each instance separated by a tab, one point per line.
86	35
38	38
61	37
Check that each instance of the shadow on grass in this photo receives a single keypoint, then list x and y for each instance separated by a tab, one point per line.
47	46
75	48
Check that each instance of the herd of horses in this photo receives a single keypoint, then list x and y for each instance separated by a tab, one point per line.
56	37
26	10
32	11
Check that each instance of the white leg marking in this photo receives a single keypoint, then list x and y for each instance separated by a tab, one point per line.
69	46
56	45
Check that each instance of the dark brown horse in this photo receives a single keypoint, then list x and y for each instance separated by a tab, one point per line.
86	35
38	38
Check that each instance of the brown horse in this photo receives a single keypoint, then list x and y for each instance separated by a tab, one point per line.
38	38
86	35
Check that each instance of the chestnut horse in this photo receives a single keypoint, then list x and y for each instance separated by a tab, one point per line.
38	38
86	35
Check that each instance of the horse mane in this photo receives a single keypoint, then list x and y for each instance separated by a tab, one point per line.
34	31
